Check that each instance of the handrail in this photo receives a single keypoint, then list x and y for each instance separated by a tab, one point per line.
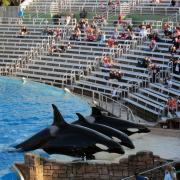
147	171
110	104
103	102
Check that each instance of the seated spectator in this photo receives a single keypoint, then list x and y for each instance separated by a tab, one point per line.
69	45
91	37
169	82
67	20
143	32
110	43
107	61
115	34
153	45
57	33
167	30
176	67
82	25
110	3
176	42
130	35
50	32
23	31
173	3
89	30
76	34
172	50
104	21
177	32
45	31
94	25
149	28
120	19
115	75
103	38
171	106
144	62
123	36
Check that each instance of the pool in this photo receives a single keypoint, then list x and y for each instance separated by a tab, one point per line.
25	108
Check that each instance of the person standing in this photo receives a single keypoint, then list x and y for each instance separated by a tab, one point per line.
20	15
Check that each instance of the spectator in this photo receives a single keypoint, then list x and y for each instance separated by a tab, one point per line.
103	38
115	75
176	42
173	3
167	31
153	45
107	61
169	82
20	15
45	31
69	45
177	67
57	33
115	34
67	20
110	43
171	107
23	31
83	13
114	93
91	37
110	3
143	32
172	50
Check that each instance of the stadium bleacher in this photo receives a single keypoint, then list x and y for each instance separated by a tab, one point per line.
80	66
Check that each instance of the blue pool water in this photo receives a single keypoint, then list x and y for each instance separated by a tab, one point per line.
25	109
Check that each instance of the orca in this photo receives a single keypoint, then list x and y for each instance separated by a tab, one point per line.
115	134
69	139
127	127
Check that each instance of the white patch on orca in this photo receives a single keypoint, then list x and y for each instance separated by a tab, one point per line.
101	146
133	129
53	130
116	139
90	119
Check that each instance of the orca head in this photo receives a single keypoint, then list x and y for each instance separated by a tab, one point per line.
58	118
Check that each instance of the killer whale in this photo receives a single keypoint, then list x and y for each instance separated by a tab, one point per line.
127	127
115	134
69	139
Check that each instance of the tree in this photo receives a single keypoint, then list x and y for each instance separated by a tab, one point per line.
6	2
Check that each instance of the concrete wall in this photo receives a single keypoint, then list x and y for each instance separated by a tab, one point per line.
36	168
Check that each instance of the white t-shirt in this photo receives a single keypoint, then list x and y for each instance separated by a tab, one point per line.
114	93
167	176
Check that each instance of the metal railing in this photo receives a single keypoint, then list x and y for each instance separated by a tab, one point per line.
153	169
107	103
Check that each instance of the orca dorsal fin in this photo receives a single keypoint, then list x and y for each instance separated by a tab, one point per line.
58	118
81	118
96	111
